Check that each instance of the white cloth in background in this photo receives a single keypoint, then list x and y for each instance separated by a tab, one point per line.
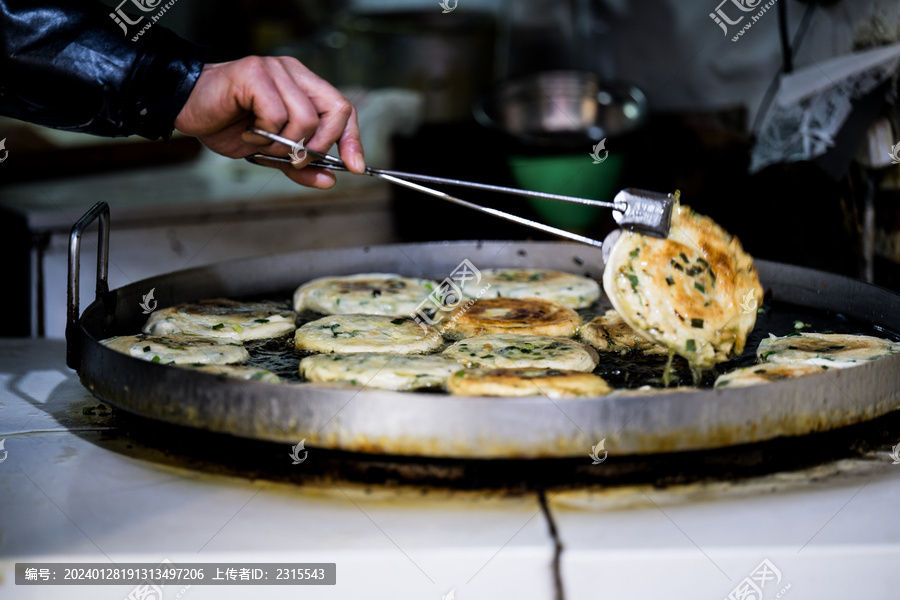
813	103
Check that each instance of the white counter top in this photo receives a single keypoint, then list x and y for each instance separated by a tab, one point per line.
75	487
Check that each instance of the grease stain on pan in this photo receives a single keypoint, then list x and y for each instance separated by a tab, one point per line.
831	408
634	442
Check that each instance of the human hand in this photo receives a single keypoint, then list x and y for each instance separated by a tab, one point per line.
277	94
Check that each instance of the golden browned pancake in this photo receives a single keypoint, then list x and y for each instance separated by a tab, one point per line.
766	373
367	333
554	383
527	316
502	350
568	289
179	349
224	318
835	350
238	371
380	370
610	333
686	291
364	294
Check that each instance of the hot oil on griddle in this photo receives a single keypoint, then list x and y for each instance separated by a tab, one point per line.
630	370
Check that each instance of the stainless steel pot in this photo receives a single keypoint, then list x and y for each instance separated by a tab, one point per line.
562	108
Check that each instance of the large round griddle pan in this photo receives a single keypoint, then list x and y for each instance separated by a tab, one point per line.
435	425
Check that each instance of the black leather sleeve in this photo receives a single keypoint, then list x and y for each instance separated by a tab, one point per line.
67	64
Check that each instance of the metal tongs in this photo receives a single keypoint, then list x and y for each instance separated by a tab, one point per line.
637	210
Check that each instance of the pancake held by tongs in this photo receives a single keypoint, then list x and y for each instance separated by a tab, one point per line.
689	291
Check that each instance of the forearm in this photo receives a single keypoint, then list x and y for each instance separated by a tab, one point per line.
67	65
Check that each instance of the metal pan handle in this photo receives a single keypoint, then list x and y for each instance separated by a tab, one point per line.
73	335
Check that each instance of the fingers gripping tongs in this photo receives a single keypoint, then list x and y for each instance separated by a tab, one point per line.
637	210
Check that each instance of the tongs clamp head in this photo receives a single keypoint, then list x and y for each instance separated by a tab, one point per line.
644	211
